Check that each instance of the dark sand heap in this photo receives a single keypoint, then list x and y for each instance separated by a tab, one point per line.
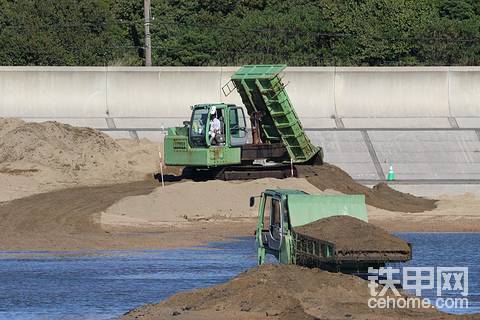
280	292
328	176
353	236
64	218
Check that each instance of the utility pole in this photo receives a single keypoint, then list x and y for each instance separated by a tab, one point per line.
148	40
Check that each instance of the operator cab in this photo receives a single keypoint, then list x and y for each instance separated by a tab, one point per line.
232	129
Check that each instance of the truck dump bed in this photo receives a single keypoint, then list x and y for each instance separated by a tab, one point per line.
262	90
344	242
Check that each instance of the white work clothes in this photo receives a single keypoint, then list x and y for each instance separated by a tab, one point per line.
215	125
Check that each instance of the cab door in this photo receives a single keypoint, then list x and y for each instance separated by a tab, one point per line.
272	223
237	126
275	241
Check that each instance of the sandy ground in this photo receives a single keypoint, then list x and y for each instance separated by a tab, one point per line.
165	206
89	218
453	214
328	176
141	156
282	292
68	219
136	160
195	201
67	187
81	218
41	157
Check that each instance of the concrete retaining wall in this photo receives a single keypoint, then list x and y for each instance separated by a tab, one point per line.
143	102
433	97
416	154
388	92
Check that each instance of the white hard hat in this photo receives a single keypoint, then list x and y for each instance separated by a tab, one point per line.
213	110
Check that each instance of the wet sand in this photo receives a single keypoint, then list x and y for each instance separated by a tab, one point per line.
69	219
282	292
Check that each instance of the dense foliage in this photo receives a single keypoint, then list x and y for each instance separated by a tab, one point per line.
208	32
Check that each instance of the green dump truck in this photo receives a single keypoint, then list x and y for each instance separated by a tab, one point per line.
274	140
325	231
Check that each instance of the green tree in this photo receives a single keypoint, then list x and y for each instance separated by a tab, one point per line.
208	32
66	32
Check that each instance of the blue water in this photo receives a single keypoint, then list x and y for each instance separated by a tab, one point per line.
105	284
36	285
448	250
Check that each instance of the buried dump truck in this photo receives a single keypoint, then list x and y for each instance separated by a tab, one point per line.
325	231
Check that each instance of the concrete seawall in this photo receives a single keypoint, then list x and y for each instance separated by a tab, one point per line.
342	109
393	97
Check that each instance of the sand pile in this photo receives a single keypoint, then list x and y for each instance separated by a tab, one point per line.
192	201
458	213
51	154
353	236
328	176
54	145
280	292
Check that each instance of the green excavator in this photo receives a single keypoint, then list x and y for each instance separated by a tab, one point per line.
217	142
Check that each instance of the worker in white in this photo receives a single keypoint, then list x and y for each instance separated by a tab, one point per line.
214	125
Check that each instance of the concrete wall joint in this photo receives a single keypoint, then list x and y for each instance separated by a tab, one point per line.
373	154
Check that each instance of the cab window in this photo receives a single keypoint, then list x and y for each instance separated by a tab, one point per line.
267	212
198	128
237	123
276	219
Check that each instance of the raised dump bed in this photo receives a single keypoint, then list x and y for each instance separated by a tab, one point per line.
262	91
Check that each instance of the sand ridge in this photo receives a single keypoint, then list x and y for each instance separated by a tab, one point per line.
459	213
328	176
68	219
281	292
193	201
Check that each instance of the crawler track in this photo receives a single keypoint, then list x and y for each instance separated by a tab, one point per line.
248	172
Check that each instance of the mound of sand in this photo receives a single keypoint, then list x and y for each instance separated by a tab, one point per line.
52	155
190	201
54	145
457	213
351	235
328	176
280	292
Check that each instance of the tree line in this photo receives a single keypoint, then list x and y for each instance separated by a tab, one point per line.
235	32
